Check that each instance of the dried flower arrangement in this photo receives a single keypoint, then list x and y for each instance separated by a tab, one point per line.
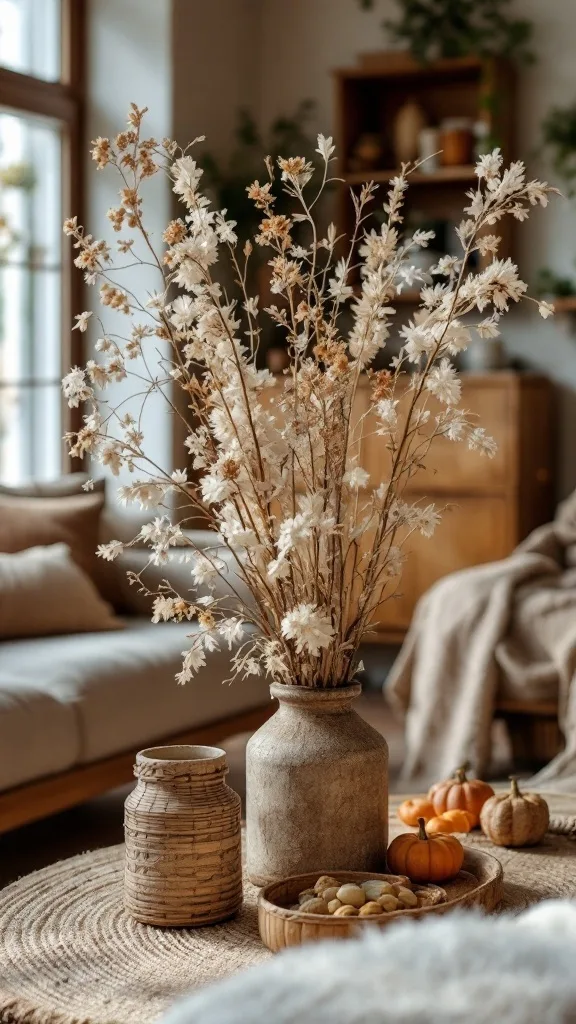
316	543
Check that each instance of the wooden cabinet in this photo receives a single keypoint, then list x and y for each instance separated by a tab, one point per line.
490	504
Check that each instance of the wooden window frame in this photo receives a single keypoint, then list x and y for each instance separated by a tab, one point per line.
64	101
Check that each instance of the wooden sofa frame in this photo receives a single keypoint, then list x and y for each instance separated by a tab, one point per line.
54	793
533	730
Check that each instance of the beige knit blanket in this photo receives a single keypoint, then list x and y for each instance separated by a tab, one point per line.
506	628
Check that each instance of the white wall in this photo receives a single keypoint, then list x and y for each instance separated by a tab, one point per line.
216	51
304	40
130	59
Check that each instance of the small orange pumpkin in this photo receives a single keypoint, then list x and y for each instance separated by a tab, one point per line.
425	858
450	821
410	810
462	794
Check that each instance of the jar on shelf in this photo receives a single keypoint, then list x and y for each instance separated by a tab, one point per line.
456	141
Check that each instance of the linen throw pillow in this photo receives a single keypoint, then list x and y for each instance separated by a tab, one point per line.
44	592
27	522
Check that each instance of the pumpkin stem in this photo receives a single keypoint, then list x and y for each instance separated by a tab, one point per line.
422	833
461	773
514	791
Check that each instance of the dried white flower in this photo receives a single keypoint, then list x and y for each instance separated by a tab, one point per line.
82	321
356	478
309	627
444	383
311	537
110	551
545	309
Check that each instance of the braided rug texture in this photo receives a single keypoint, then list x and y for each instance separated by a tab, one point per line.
70	954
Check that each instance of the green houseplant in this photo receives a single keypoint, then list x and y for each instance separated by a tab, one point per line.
458	28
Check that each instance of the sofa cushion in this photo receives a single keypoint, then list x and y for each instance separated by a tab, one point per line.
43	591
120	687
38	732
71	483
137	560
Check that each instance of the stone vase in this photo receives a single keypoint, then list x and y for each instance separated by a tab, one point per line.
316	787
183	842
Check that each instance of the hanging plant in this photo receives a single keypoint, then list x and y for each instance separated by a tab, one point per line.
458	28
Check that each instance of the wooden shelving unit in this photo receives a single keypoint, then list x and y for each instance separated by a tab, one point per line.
443	176
566	304
368	98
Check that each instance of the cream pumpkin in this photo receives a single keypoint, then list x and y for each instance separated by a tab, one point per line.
515	818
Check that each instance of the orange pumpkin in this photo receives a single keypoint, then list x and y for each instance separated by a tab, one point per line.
425	858
450	821
411	810
462	794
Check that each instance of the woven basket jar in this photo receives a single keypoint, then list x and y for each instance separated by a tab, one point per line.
183	844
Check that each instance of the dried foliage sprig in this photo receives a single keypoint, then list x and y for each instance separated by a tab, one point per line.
316	544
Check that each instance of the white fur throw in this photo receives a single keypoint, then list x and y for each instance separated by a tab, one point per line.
458	968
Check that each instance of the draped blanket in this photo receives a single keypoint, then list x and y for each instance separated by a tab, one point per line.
505	629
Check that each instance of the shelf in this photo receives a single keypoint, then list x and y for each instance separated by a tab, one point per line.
443	176
566	304
399	64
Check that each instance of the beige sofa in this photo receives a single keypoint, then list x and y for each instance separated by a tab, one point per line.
74	709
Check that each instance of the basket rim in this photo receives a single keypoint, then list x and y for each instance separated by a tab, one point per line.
472	859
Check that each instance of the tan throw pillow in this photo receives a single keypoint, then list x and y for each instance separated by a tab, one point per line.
43	592
27	522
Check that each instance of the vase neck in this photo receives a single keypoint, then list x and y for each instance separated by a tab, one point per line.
318	700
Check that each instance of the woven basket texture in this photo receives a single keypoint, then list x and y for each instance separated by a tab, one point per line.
183	839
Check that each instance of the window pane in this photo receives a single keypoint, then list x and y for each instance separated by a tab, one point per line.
30	37
30	296
30	433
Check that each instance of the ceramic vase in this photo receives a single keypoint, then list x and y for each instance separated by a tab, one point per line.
183	841
316	787
408	123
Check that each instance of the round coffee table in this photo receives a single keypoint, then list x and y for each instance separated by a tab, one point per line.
69	953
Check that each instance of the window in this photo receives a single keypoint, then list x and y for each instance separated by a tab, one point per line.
30	32
40	174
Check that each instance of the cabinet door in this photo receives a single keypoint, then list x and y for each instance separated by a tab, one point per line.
473	531
450	466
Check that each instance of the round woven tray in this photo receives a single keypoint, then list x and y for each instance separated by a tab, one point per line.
69	953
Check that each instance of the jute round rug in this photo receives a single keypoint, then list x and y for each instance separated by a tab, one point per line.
69	953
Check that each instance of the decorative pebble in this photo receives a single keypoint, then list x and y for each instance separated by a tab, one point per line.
326	882
368	899
388	903
308	894
370	909
315	906
346	911
407	897
352	895
374	889
330	893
